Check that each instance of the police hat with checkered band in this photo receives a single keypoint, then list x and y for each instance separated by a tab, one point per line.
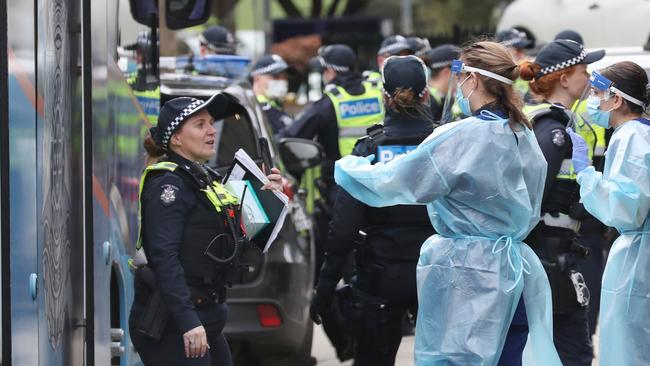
514	38
563	53
442	56
394	45
269	65
337	57
218	40
176	111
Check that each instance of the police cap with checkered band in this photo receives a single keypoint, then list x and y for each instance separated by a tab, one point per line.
563	53
178	110
338	57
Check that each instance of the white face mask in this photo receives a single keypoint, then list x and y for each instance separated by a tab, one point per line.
277	89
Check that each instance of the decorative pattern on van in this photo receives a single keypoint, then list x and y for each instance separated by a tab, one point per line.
57	224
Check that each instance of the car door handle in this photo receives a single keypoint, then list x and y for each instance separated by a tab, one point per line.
594	6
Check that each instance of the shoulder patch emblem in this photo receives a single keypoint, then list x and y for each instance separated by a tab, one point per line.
558	137
168	195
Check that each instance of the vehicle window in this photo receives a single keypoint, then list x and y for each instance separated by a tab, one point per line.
233	133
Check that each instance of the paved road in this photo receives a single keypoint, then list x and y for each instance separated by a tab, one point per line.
324	352
326	356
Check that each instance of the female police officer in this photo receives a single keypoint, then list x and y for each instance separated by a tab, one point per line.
387	257
559	75
481	179
191	237
620	197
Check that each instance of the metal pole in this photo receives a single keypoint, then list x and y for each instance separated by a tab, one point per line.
407	17
266	25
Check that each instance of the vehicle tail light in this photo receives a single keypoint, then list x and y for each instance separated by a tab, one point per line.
268	316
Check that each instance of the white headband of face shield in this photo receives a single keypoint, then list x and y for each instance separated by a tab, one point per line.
613	90
488	74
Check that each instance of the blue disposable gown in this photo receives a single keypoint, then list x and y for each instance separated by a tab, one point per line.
620	197
482	184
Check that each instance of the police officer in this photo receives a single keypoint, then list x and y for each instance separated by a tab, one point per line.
390	46
385	287
439	60
342	115
517	43
217	40
348	107
559	74
191	237
270	86
420	46
144	81
593	233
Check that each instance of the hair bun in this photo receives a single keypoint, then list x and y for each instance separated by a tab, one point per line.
527	70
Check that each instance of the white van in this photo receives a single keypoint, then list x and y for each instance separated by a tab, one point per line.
601	23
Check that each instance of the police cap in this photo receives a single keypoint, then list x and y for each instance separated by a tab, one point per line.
570	34
563	53
442	56
218	40
513	38
406	72
337	57
419	45
269	65
393	45
176	111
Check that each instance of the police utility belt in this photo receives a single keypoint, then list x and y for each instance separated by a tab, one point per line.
561	220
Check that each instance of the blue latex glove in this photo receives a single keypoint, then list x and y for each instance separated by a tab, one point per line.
580	156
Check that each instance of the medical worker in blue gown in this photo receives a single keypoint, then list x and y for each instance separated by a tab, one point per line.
620	197
482	179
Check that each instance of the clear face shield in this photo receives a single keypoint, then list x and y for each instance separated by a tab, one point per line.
595	81
600	89
456	79
456	70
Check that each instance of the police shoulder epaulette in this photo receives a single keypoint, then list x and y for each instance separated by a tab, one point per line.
190	174
213	173
332	89
375	130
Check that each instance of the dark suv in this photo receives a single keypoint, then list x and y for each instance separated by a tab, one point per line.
268	321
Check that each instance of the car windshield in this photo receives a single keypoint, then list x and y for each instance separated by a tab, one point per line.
233	133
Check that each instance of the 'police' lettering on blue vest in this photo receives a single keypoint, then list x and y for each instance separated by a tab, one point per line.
358	108
391	152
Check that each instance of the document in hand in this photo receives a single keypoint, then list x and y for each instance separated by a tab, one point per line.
253	215
273	203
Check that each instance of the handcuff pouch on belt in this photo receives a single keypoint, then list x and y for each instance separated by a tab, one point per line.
559	248
153	319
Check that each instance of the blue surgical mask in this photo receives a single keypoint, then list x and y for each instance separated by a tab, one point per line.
598	116
463	102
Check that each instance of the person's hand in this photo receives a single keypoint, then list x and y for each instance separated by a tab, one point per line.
196	342
320	303
580	156
275	180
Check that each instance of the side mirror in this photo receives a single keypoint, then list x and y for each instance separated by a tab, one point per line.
299	154
180	14
142	11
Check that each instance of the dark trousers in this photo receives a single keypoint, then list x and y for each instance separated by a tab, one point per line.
170	349
572	339
394	282
592	270
516	339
